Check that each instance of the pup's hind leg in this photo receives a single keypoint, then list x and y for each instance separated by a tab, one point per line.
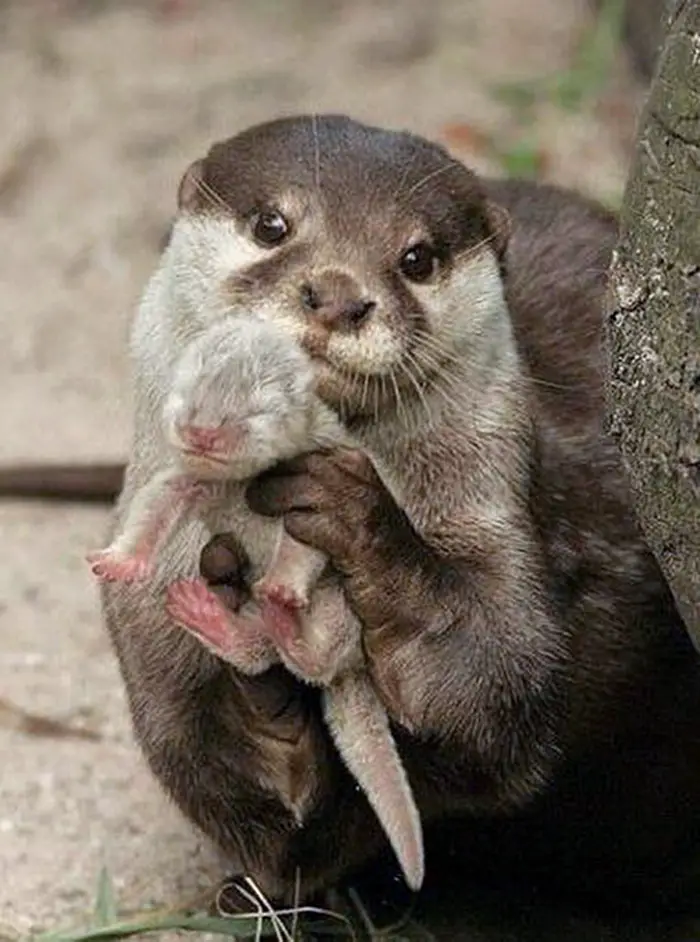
323	640
285	588
238	638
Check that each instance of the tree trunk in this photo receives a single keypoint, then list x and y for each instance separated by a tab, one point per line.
653	322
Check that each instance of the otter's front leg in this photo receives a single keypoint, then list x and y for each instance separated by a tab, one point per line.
462	647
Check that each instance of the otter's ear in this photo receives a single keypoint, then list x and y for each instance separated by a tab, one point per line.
499	224
188	193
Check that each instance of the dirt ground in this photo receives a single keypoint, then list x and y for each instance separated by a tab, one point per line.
103	104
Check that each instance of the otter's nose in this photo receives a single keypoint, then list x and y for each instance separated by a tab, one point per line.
333	300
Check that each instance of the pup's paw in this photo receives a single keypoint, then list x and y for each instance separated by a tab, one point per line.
282	622
237	639
191	604
112	567
279	594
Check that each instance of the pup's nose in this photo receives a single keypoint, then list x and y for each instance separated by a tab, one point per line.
334	300
203	440
200	438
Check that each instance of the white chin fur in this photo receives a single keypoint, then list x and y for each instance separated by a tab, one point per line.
376	349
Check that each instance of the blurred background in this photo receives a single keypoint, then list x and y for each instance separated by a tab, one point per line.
102	106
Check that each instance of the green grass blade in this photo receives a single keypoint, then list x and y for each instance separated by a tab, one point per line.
238	927
105	901
232	926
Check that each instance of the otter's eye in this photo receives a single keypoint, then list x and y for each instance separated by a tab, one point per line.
419	262
270	227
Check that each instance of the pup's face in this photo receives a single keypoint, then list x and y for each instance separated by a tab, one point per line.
373	249
240	400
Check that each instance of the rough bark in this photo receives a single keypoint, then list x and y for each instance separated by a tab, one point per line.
653	323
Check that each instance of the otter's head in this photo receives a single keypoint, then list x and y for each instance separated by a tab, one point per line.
241	399
376	250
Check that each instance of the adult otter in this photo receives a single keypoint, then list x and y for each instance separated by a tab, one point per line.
578	769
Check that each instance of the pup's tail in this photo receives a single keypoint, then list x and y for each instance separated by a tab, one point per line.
360	727
86	483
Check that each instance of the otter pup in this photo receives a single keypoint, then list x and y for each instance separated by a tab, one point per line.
240	398
544	692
